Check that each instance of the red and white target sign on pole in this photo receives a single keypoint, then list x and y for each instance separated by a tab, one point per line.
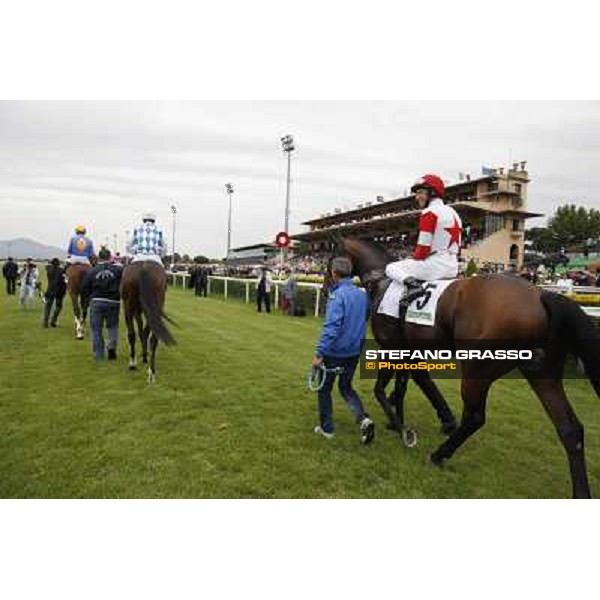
282	240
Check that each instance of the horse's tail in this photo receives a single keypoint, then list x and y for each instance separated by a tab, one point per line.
152	309
571	325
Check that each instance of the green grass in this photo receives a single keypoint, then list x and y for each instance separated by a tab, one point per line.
230	417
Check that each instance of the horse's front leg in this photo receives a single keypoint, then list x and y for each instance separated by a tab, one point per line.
408	434
383	378
429	388
474	394
400	387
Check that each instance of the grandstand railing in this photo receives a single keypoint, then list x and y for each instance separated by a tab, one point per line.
241	288
575	289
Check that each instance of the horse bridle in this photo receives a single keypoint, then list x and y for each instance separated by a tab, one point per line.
371	282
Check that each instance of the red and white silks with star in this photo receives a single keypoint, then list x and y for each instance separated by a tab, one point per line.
436	253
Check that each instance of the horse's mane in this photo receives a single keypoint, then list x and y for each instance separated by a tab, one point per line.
375	247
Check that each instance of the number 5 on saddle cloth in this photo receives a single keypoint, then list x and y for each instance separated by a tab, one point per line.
420	303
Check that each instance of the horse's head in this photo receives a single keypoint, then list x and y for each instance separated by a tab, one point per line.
368	259
337	248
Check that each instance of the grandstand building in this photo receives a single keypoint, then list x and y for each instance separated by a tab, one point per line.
492	209
255	254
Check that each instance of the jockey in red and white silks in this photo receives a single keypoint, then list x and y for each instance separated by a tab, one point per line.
440	228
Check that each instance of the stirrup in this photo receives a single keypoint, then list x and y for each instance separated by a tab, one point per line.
414	289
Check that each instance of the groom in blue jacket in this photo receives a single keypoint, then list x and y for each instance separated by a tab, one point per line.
338	349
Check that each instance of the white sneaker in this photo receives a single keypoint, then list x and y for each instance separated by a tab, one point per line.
367	431
319	429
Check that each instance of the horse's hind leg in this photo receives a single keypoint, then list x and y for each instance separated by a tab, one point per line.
429	388
131	339
474	394
152	366
77	312
144	332
570	431
145	339
84	311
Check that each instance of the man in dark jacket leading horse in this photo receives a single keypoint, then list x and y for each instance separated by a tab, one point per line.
101	285
55	292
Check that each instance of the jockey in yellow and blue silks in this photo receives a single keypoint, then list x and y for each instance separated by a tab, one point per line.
81	248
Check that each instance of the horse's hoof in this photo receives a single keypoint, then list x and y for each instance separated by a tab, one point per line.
151	377
391	427
409	437
145	360
132	367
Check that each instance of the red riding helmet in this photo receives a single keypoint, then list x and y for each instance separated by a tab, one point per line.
430	182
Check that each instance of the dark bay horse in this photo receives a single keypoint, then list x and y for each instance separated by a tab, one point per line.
143	290
493	308
75	274
393	405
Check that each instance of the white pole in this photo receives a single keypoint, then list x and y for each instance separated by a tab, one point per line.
174	211
317	302
280	263
287	193
229	190
229	227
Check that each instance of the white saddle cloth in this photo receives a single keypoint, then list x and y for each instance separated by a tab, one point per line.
420	311
142	257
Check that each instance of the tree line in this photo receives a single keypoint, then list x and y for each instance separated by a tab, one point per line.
571	229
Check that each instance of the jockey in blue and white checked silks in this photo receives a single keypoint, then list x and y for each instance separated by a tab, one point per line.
148	241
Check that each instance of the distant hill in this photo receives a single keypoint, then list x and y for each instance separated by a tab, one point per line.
22	248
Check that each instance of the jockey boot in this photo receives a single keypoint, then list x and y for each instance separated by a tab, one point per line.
413	291
412	283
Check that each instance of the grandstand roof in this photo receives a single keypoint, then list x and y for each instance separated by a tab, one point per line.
380	208
254	247
467	197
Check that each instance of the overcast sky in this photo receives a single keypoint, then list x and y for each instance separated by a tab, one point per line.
104	163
